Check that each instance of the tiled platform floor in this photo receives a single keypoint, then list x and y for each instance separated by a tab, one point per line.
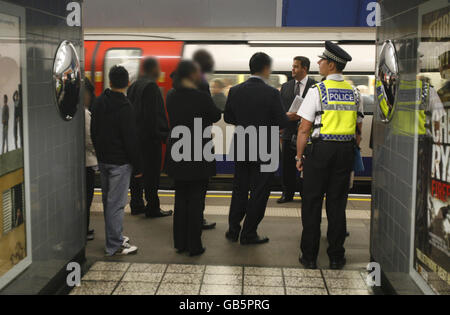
117	278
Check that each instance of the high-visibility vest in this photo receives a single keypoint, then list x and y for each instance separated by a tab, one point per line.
339	103
410	116
382	100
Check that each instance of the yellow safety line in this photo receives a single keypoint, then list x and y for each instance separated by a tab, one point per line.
229	196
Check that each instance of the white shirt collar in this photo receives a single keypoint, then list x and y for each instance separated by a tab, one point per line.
335	77
303	81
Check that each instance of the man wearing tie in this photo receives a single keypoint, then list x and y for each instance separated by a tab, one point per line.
298	86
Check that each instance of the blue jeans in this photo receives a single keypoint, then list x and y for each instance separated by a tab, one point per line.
115	180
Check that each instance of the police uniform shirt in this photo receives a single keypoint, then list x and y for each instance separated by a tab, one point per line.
312	104
434	104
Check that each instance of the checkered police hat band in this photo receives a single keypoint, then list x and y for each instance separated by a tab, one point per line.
330	55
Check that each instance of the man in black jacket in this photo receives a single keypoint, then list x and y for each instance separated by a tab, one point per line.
114	137
253	105
153	129
298	86
206	62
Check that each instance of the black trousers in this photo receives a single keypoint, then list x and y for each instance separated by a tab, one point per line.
248	177
327	171
205	190
90	183
289	170
149	183
187	223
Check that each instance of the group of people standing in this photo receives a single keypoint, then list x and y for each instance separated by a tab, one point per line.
129	124
18	129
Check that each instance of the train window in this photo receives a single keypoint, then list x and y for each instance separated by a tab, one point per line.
220	84
128	58
365	84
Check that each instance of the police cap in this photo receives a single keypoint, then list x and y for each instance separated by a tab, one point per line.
335	53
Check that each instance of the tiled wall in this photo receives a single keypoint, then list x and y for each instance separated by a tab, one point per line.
393	160
56	151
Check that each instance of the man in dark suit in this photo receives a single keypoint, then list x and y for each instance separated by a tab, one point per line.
206	62
153	129
252	105
298	86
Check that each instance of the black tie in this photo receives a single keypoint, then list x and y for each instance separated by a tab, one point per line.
297	88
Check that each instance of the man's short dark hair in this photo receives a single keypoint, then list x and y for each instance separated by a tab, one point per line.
339	66
304	61
118	77
149	65
259	61
5	98
204	59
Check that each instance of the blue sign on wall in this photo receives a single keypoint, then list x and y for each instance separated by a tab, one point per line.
331	13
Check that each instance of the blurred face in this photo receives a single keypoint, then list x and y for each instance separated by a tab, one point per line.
298	71
215	88
196	76
156	73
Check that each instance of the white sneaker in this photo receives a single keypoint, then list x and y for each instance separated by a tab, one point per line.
126	240
126	249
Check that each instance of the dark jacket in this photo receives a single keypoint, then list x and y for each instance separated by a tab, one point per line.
288	96
113	130
183	105
204	86
255	103
148	105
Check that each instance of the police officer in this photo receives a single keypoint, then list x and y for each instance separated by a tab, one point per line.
330	129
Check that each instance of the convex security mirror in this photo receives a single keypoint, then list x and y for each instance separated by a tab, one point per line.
387	80
67	80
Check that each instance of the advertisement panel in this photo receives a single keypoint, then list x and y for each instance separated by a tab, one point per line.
14	244
432	221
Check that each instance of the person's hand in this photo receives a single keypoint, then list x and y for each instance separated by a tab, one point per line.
292	116
300	165
138	175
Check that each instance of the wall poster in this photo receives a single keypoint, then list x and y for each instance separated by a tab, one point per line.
432	221
14	235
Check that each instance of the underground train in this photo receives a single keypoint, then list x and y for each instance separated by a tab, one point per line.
231	68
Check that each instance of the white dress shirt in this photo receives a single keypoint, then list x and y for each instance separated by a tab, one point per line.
312	104
302	85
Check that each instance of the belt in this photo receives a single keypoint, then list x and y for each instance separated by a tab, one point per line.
342	138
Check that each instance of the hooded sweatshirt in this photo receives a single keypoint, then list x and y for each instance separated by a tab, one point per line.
113	131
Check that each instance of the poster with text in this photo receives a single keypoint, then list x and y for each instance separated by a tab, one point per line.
432	221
